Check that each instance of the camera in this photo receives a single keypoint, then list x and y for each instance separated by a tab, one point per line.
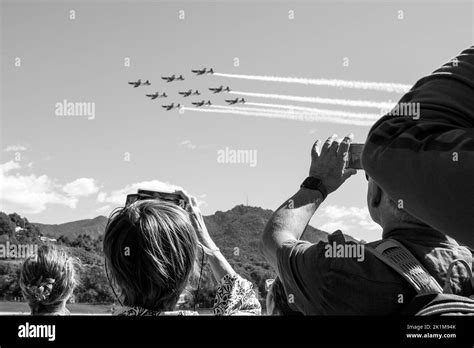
174	198
355	156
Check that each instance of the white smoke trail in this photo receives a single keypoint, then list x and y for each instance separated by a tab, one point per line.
287	116
376	86
337	113
309	112
317	100
250	109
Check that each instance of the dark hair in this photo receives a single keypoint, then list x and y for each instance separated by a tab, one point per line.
150	249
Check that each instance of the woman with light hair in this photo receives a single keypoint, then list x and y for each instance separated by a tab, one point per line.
154	248
48	280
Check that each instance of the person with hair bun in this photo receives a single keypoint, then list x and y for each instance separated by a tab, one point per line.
48	280
154	248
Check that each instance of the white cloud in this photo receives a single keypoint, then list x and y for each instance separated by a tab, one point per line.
336	211
354	221
14	148
81	187
105	209
201	202
333	226
9	166
118	197
29	193
188	144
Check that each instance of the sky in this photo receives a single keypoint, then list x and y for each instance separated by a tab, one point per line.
57	167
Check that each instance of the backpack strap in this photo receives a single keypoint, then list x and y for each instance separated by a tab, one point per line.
397	257
443	304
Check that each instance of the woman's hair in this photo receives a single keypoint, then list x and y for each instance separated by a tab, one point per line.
150	249
48	279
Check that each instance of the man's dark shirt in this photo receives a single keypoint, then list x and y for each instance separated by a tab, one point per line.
319	285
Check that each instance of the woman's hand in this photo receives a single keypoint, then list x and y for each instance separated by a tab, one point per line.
219	265
198	222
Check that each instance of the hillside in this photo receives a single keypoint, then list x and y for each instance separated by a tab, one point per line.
239	228
92	227
236	232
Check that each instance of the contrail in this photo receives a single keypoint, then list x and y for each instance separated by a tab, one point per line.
275	111
287	116
308	112
376	86
288	111
317	100
339	113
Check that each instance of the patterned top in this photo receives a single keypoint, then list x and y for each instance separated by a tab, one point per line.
235	296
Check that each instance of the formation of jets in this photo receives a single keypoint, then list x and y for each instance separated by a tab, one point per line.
235	101
139	82
220	89
189	92
203	71
173	78
202	103
171	106
156	95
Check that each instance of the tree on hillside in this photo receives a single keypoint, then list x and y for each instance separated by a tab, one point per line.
64	240
10	280
7	226
94	286
83	241
18	220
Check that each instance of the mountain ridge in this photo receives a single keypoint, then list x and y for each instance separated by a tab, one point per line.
96	226
237	232
93	227
239	227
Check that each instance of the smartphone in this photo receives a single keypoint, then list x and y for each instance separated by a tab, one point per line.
355	154
174	198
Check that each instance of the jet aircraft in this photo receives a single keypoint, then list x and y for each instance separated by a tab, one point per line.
173	78
235	101
202	103
220	89
171	106
203	71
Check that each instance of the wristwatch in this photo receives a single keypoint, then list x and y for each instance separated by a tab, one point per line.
313	183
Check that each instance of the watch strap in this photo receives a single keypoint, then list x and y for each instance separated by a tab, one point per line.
313	183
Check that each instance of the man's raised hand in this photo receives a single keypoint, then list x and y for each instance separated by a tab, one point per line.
330	164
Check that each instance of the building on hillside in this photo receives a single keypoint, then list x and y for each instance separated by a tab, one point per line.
48	240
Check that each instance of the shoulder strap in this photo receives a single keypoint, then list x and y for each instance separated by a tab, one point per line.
397	257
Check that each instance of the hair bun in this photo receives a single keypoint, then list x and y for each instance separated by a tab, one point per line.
42	290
